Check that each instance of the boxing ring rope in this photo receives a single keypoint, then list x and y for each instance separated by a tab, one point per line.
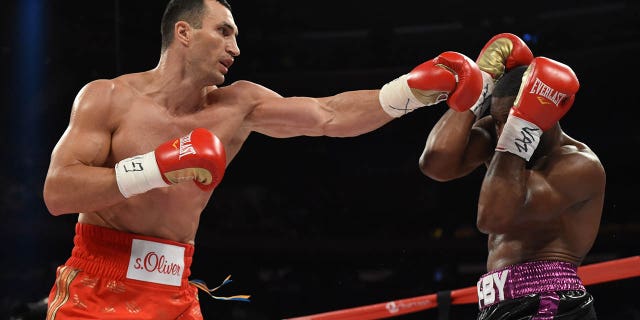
590	274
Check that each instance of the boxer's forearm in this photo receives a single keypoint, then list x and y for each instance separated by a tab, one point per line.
354	113
80	188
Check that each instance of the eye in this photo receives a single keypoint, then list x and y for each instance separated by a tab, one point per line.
226	30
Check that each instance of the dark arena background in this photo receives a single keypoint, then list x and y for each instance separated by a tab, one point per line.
309	225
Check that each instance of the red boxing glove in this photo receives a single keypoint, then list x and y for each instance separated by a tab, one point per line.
451	76
547	92
198	156
500	54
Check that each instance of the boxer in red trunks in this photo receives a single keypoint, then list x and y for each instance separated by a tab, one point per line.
144	151
118	275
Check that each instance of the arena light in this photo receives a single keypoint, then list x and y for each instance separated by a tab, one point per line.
30	41
28	93
530	38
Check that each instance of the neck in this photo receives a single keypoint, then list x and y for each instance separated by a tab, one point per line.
174	87
549	140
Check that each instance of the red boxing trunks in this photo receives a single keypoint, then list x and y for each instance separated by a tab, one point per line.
118	275
539	290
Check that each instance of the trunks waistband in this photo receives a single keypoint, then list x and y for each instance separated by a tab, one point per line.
527	278
108	252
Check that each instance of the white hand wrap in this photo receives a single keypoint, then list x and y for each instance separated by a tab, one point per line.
138	174
519	137
484	101
397	99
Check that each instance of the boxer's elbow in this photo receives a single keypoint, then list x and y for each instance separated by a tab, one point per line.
54	206
489	226
435	174
436	170
490	221
53	199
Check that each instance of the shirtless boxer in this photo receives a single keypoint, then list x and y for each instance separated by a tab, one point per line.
144	151
542	195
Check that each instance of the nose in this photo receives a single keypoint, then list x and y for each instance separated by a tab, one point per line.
232	47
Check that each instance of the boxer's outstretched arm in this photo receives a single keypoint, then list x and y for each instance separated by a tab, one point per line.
450	76
76	181
346	114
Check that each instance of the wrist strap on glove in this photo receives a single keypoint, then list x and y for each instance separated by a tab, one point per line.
484	101
397	99
138	174
519	137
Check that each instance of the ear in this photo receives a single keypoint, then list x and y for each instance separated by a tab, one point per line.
182	33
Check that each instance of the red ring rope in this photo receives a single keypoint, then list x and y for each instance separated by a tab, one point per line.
590	274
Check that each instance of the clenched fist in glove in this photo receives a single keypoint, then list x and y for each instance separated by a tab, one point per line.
500	54
450	76
198	157
547	92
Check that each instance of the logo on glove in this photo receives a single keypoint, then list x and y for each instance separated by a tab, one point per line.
185	147
544	91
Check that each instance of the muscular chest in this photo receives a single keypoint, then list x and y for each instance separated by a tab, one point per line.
141	132
145	128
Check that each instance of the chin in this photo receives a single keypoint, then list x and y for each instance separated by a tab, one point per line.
217	79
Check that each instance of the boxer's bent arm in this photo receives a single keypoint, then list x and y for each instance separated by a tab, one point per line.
456	146
512	196
346	114
76	181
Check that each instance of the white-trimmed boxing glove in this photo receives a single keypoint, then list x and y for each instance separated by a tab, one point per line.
198	156
451	76
547	92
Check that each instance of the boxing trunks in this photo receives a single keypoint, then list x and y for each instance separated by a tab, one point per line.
118	275
540	290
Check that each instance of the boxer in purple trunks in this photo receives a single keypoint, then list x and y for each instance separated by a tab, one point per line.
542	195
539	290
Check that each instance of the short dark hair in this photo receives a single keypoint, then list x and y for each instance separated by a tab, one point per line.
190	11
509	84
506	87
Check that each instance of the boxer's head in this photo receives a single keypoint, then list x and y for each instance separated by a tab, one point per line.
504	94
190	11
